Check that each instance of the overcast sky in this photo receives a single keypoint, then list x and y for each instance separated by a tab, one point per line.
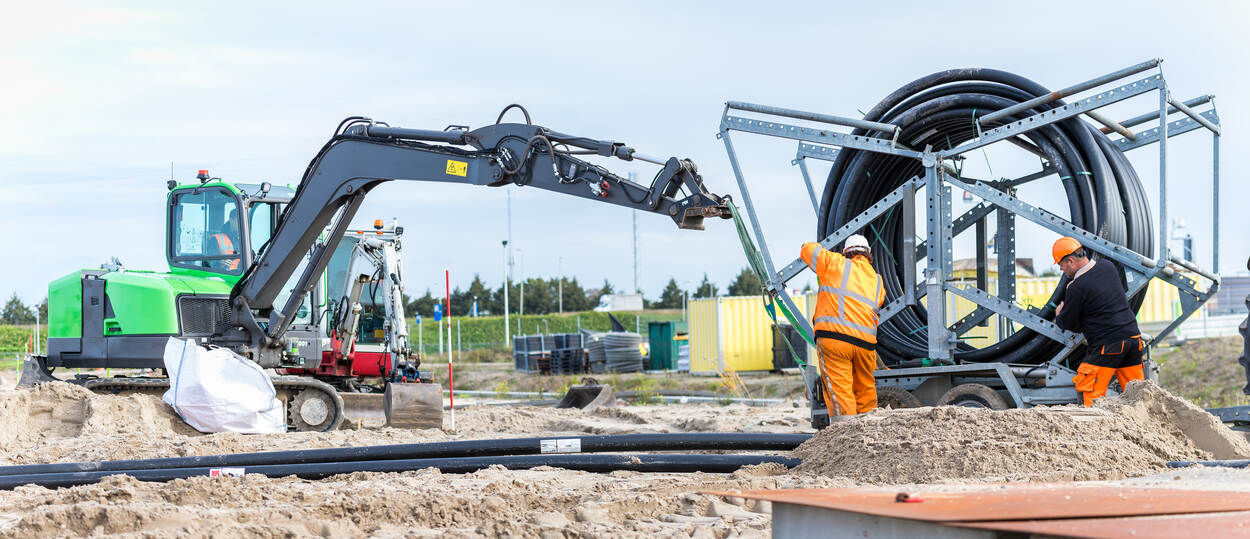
98	101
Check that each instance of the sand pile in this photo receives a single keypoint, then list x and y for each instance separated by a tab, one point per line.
60	411
1149	404
8	380
1129	435
48	411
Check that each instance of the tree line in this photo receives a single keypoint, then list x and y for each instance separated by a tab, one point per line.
16	313
542	296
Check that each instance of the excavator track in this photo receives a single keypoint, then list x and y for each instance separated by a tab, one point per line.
311	405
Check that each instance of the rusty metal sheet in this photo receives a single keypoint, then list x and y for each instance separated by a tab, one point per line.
1012	501
1222	525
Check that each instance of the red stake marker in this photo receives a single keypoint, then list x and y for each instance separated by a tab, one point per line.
451	376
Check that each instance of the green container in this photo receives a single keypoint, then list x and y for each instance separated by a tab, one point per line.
662	336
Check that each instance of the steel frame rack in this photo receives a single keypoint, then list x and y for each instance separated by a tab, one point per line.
997	198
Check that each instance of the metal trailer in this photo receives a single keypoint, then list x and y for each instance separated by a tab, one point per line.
1020	386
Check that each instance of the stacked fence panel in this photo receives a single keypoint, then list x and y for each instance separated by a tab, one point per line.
559	353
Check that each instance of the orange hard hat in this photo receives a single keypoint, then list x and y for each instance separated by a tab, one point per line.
1063	247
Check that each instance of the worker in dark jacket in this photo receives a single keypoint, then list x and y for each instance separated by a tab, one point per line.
1095	304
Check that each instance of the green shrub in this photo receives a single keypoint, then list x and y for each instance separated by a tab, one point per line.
14	339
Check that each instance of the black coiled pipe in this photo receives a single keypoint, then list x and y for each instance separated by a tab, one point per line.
1104	193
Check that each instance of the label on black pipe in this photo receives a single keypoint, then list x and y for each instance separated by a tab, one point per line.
227	472
560	445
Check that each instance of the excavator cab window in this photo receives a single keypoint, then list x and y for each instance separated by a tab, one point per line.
204	231
262	219
372	302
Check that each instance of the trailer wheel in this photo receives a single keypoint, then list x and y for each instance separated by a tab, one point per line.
896	398
972	396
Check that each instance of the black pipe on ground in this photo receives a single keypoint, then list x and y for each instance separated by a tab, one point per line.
691	441
600	463
1213	463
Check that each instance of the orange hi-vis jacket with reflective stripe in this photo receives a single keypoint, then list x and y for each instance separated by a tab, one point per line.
849	297
226	247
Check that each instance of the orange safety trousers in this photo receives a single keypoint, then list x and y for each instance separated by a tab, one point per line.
1092	381
847	372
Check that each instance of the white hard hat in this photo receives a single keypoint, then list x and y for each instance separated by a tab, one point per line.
856	241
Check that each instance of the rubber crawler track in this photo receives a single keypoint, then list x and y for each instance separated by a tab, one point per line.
286	386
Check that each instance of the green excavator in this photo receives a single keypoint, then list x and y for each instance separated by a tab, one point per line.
248	261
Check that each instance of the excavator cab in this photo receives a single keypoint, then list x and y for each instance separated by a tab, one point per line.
205	234
204	231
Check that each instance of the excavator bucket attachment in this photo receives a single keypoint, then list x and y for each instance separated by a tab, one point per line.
588	397
413	406
359	407
34	372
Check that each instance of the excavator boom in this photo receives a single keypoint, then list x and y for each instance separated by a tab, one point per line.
364	154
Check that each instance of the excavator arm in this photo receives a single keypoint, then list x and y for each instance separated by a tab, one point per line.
364	154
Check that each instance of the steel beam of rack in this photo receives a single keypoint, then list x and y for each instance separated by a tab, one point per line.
998	201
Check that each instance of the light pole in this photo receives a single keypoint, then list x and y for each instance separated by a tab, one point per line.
560	285
507	326
521	255
509	242
633	177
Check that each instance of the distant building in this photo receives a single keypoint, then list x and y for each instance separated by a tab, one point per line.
619	302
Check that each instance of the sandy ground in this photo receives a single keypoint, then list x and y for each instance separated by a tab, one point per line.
943	448
59	422
502	377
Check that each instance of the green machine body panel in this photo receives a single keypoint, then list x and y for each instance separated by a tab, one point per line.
115	317
65	307
136	302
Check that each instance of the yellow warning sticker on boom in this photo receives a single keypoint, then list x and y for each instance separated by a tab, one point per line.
457	168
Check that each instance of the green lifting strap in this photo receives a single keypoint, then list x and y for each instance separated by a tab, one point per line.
756	262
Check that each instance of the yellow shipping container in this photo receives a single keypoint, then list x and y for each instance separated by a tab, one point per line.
1162	303
734	333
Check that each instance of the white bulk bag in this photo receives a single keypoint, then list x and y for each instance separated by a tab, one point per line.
216	390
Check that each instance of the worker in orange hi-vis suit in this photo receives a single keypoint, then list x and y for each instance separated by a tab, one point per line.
845	321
